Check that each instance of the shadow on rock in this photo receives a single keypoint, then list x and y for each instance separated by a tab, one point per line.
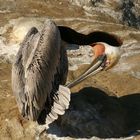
131	104
93	113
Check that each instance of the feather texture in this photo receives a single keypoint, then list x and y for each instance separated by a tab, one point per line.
39	70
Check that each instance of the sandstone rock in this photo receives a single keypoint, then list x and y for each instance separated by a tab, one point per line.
93	114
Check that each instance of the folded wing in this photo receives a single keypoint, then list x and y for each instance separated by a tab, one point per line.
36	70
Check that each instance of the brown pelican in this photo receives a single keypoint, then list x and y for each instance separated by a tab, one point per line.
41	67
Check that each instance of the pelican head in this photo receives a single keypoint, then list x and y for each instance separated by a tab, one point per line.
109	54
105	57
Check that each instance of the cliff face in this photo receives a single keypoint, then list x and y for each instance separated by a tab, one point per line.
125	12
104	106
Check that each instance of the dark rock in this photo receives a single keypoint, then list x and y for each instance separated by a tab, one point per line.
129	15
93	113
125	12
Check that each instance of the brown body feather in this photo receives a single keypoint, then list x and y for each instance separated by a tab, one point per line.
37	71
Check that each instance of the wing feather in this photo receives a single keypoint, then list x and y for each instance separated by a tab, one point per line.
18	80
39	67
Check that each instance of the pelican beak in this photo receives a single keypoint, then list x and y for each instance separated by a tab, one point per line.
94	68
105	58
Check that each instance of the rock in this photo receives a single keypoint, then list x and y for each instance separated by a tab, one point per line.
130	15
7	6
122	11
92	114
14	129
13	33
